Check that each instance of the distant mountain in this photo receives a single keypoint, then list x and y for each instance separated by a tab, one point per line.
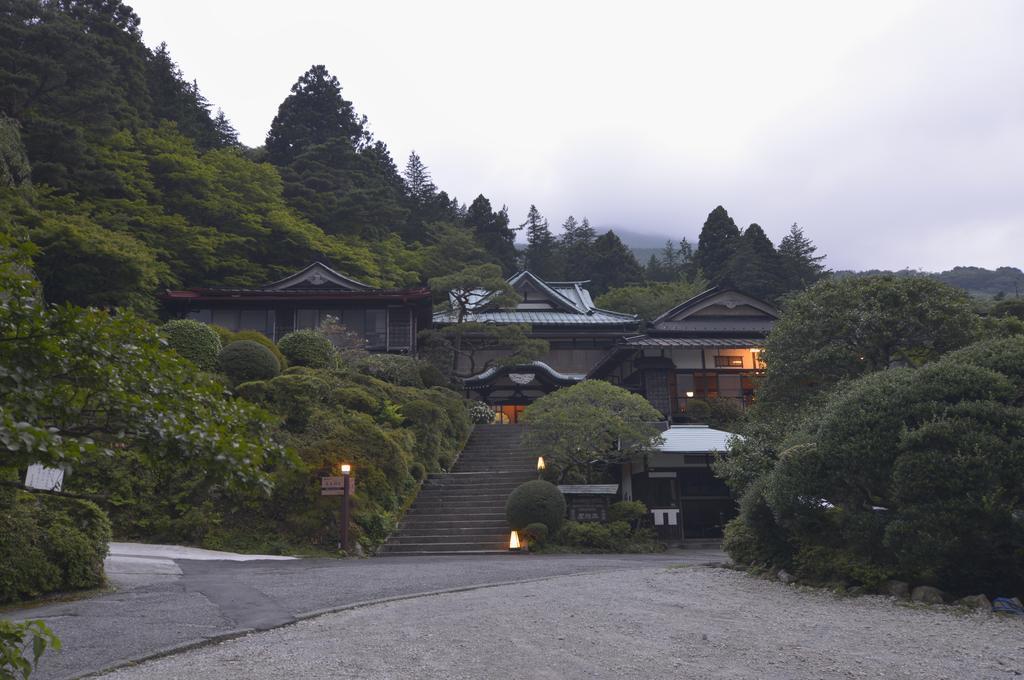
977	281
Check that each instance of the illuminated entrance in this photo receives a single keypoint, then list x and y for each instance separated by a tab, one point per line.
508	390
508	414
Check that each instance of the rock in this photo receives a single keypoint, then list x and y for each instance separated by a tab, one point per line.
898	589
358	550
975	602
926	595
785	576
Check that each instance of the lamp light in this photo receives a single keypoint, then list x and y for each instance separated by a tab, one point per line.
689	394
346	468
513	542
540	463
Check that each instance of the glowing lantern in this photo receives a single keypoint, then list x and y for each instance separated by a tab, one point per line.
540	463
689	395
346	468
513	541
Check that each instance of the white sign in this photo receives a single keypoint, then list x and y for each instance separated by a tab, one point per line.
48	479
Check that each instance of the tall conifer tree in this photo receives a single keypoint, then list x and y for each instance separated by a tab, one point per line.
718	239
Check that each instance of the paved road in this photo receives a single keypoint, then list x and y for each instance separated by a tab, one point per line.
156	609
644	622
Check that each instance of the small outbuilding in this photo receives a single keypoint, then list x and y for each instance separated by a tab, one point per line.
686	500
588	502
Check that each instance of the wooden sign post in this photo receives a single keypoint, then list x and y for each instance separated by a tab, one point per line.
343	486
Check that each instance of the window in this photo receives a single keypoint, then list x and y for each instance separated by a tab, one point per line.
254	320
399	328
376	330
728	361
306	318
225	318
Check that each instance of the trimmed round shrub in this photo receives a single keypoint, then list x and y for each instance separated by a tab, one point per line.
418	471
308	348
193	340
259	338
245	360
480	413
535	501
536	533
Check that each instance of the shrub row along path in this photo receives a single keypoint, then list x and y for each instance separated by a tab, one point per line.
163	603
644	622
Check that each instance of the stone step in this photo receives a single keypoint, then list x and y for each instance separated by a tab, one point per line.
420	539
454	529
434	515
445	505
453	547
468	525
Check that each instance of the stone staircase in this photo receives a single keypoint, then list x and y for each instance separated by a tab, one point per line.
463	511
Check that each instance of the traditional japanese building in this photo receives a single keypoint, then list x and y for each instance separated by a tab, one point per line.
386	319
563	313
708	347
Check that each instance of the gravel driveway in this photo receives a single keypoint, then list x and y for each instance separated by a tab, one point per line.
648	622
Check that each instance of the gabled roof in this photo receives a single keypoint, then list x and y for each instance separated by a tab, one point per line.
570	305
538	369
317	276
726	297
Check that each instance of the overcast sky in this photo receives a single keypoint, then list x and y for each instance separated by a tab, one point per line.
892	132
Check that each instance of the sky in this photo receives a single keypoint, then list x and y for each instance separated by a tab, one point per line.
891	132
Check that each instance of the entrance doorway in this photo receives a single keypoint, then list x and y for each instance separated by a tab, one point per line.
508	414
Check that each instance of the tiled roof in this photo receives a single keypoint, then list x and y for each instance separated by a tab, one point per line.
655	341
593	489
694	439
543	317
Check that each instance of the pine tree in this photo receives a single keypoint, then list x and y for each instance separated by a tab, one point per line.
801	267
754	266
417	180
226	133
493	233
613	264
542	257
314	113
719	237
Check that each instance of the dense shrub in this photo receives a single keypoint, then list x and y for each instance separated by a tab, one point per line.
308	348
21	646
913	473
480	413
535	533
627	511
245	360
535	501
418	471
393	368
612	537
227	337
50	543
193	340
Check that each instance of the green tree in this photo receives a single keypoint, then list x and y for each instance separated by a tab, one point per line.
650	300
576	245
541	256
80	386
754	266
800	265
613	264
591	423
477	346
718	239
841	329
493	233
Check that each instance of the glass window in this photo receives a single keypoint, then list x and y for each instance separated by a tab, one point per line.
200	315
730	386
254	320
376	331
225	318
306	318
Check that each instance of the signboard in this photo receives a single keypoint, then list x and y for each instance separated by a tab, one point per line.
335	486
588	508
46	478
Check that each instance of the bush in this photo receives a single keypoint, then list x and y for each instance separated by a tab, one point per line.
193	340
535	501
627	511
308	348
245	360
613	537
260	339
480	413
393	368
821	565
418	471
536	533
50	543
16	639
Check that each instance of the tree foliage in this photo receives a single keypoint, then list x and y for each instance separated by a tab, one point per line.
593	422
650	300
841	329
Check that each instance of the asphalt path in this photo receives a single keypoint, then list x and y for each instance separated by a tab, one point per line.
162	605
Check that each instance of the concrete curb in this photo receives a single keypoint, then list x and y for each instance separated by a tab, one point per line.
238	633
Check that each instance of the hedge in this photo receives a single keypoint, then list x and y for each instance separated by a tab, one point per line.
193	340
49	544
